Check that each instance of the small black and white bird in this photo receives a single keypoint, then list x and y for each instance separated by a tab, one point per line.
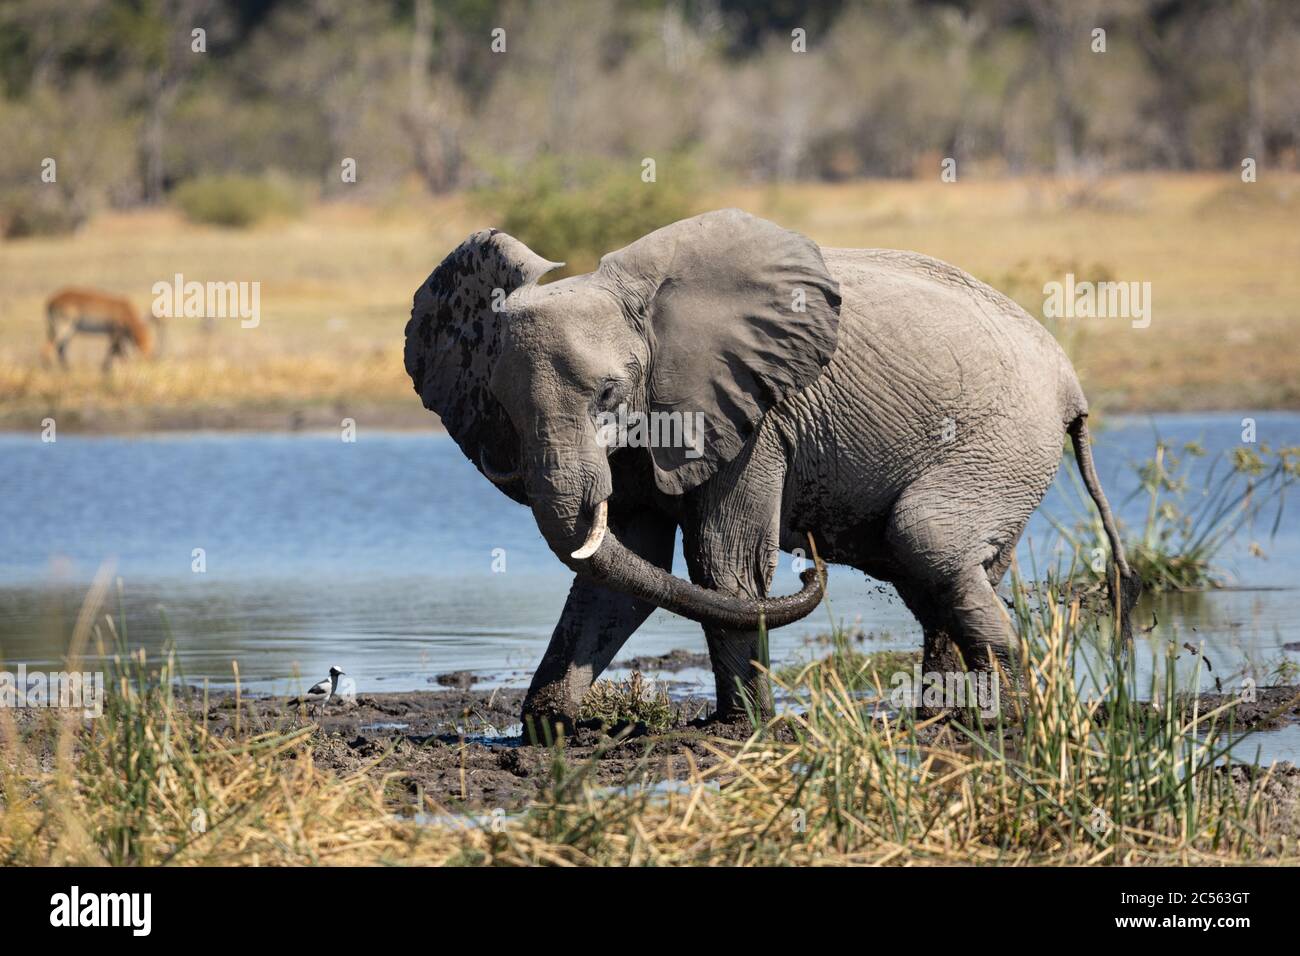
323	692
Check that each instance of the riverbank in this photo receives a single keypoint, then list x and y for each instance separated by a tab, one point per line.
464	749
417	779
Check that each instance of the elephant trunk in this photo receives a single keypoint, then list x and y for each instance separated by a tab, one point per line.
575	525
616	567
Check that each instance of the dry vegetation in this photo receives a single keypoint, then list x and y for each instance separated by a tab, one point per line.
336	289
1069	779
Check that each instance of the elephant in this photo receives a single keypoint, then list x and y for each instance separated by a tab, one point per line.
897	413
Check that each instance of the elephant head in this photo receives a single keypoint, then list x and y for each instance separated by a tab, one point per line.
715	319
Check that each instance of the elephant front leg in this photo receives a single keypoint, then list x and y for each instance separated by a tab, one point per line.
732	544
742	688
595	624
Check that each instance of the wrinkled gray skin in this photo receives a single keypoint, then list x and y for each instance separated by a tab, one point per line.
906	415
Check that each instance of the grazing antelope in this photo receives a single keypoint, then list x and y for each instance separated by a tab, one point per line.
70	311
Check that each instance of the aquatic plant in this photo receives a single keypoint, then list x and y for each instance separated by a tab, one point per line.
858	670
615	704
1185	529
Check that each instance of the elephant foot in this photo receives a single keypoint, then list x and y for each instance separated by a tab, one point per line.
545	730
729	725
548	715
971	683
728	716
736	711
981	697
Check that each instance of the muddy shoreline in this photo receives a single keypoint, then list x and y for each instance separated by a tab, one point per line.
309	415
462	749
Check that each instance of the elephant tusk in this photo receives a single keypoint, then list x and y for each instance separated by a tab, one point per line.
498	477
597	533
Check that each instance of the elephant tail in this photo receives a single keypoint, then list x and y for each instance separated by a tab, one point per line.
1123	584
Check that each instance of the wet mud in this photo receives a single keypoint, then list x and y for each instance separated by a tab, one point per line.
459	748
462	748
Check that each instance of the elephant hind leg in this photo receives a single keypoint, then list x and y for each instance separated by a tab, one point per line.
966	626
942	653
996	569
969	642
948	562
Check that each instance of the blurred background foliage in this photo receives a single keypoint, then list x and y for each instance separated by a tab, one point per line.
586	206
235	199
414	93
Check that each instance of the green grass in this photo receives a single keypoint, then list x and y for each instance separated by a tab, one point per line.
858	670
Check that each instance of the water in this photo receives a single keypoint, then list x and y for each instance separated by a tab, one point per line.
379	556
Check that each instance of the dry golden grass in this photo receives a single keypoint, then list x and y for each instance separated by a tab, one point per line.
1084	782
197	391
336	288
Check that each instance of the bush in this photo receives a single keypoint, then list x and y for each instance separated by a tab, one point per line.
37	211
576	210
75	133
236	200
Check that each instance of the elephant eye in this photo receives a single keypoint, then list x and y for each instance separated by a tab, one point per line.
607	394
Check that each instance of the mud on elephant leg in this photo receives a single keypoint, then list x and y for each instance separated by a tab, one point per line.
945	583
595	624
987	639
740	685
967	632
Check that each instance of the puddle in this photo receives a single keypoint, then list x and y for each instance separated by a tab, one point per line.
491	736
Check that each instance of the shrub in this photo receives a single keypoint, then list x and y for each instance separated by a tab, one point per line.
859	670
39	212
633	701
236	200
577	210
67	153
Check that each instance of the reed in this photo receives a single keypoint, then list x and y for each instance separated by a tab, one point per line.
1185	528
1086	766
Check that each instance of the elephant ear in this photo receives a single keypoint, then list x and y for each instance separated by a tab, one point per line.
739	313
454	338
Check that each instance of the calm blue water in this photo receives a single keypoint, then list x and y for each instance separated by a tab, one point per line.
378	555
